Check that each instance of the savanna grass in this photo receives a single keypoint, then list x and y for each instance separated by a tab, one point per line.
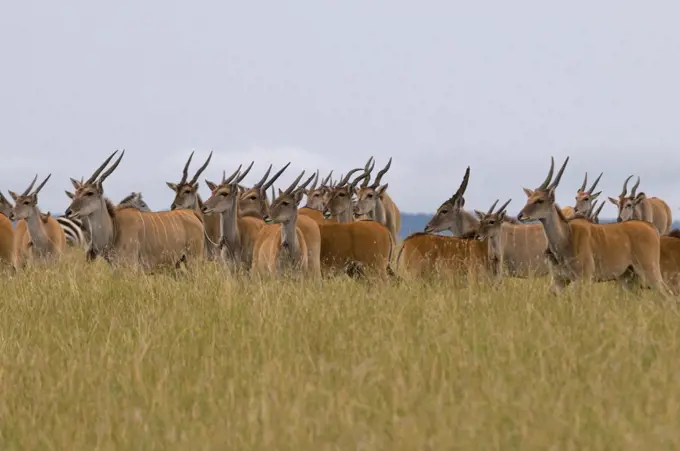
99	359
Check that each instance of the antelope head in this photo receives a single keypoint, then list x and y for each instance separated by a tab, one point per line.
626	203
541	201
224	196
451	211
253	201
490	223
317	196
26	203
5	206
284	207
340	197
368	195
186	192
585	198
89	195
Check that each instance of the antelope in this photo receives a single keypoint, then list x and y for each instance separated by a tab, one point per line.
254	202
478	254
317	196
315	200
187	197
523	244
237	234
639	206
78	235
374	202
46	239
128	236
584	198
339	204
283	247
6	232
582	252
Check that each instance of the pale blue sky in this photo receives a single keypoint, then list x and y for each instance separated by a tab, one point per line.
437	85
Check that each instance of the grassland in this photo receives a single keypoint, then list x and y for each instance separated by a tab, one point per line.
96	359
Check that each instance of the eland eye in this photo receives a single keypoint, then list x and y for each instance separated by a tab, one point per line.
341	194
89	193
253	198
539	201
492	222
444	212
285	204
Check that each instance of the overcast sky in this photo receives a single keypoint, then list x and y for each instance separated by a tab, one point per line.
496	85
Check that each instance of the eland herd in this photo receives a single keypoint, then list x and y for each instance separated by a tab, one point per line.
351	226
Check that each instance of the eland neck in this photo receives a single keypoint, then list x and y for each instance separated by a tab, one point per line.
100	224
289	240
230	236
557	232
464	224
37	232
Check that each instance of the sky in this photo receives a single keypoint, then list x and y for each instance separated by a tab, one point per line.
436	85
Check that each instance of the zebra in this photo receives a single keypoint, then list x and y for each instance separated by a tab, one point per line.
77	235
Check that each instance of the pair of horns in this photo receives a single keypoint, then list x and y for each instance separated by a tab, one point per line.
261	183
93	178
370	165
236	177
37	190
546	183
502	208
633	190
585	182
185	171
594	212
294	186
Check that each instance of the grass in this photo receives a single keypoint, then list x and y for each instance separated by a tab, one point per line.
95	359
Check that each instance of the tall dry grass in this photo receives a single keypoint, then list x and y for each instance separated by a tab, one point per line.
99	359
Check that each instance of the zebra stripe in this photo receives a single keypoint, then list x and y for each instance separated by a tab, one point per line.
73	229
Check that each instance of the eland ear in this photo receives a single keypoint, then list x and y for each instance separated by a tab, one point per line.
613	201
298	197
595	196
69	194
381	189
479	214
172	186
211	185
14	195
528	192
76	184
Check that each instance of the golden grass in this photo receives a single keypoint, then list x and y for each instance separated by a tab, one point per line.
95	359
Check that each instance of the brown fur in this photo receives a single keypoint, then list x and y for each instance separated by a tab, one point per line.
249	229
6	241
605	251
365	243
155	238
23	249
315	215
267	251
568	212
669	260
662	218
423	255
